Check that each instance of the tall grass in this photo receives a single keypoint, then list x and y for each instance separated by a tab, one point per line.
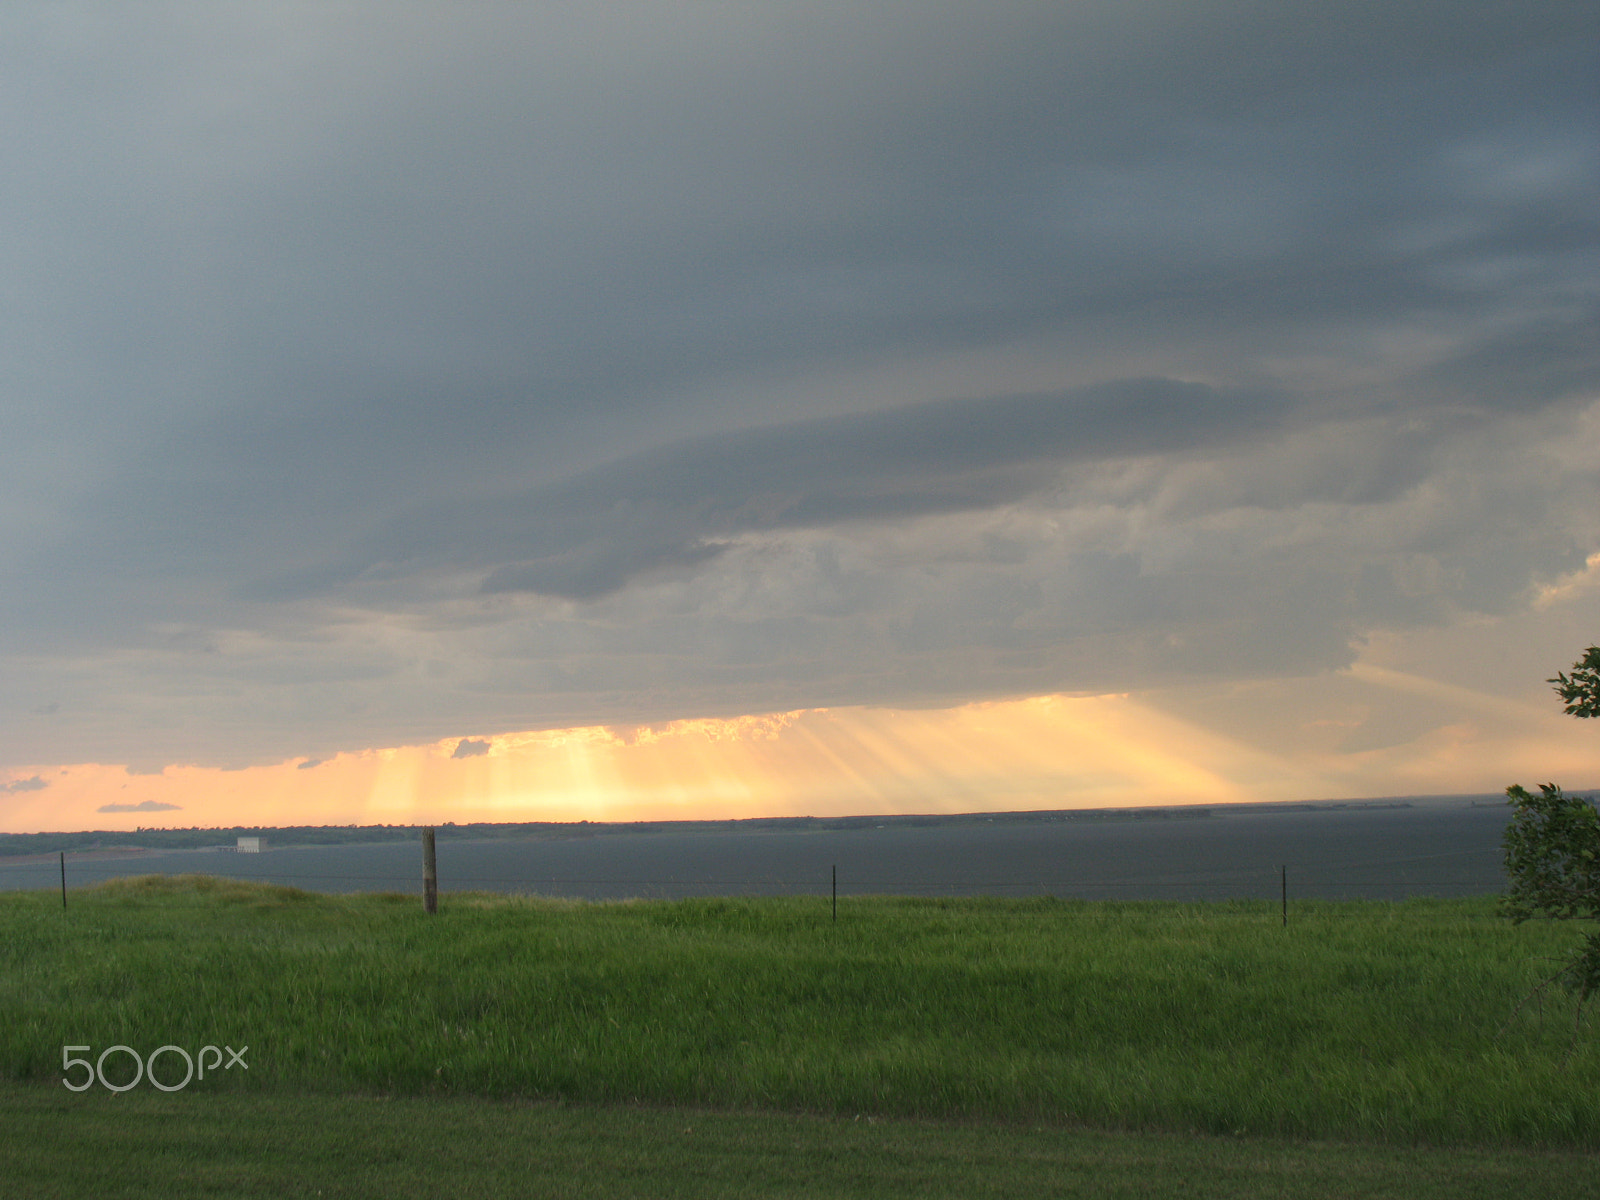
1366	1019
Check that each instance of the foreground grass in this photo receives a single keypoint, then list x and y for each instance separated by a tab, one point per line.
148	1145
1360	1021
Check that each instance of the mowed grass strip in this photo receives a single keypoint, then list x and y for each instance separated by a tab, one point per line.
1361	1020
144	1145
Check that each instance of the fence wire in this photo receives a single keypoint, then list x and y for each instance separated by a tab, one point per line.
1363	876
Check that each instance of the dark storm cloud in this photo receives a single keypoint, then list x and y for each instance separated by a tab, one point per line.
579	241
331	345
1527	368
32	784
469	748
587	536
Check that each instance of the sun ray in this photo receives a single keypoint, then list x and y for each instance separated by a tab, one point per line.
1041	752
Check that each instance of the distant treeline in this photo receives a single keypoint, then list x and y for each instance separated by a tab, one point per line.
197	837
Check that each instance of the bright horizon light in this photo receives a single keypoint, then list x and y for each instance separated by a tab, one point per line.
1043	752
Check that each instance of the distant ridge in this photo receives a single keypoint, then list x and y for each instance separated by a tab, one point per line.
108	841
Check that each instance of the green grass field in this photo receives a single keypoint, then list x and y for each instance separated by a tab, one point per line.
1030	1032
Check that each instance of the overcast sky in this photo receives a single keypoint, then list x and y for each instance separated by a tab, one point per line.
373	374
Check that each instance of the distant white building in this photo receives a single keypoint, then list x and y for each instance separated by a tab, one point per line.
252	845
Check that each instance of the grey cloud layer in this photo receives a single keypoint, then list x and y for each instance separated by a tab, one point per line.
587	536
369	380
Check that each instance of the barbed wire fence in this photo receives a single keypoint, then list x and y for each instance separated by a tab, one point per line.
1352	878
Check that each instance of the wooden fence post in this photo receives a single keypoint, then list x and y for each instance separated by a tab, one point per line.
430	873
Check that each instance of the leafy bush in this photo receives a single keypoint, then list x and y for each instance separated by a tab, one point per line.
1553	858
1553	844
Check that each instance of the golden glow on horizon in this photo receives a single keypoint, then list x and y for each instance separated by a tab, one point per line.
1043	752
